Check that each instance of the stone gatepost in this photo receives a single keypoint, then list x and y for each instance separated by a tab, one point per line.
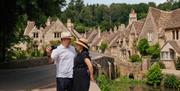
115	69
145	63
110	71
99	69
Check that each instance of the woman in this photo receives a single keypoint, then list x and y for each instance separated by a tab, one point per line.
83	69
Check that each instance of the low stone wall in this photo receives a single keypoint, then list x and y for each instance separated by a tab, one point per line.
105	65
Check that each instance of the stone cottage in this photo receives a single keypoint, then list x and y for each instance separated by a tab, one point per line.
51	32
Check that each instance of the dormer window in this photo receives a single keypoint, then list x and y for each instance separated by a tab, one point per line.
35	35
57	34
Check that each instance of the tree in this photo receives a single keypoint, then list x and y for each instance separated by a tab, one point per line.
15	14
165	6
154	75
142	47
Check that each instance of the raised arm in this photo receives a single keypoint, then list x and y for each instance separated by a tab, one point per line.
49	51
90	67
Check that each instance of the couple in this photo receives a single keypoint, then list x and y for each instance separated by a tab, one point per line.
73	70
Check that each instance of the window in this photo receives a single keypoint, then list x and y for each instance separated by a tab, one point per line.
57	35
35	34
173	35
149	36
177	34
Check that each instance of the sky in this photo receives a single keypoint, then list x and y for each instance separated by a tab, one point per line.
108	2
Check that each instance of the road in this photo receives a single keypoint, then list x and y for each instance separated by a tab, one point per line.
28	78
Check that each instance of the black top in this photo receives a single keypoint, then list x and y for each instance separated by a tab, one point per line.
79	61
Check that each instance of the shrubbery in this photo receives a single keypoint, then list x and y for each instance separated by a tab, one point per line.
135	58
170	81
154	75
146	50
103	83
103	46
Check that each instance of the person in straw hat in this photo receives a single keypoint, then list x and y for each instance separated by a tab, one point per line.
83	69
63	56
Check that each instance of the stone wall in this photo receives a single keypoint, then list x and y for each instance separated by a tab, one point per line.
105	65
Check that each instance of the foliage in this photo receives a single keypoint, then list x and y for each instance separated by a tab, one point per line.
142	46
54	42
36	53
154	75
103	82
15	16
178	64
81	28
135	58
154	51
103	47
170	81
124	83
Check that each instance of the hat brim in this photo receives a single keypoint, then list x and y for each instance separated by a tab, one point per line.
78	42
68	37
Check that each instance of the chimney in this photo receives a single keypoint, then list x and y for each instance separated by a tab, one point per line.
48	22
69	24
115	29
132	16
99	32
110	31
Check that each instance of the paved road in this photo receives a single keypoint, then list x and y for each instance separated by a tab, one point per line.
29	78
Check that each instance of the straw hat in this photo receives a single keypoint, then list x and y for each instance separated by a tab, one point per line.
66	34
83	42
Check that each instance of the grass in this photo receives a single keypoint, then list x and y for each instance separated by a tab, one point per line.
123	83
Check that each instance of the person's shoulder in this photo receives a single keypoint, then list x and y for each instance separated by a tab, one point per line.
71	47
85	53
56	49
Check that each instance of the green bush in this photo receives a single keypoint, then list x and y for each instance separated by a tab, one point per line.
17	54
103	83
154	75
154	51
142	46
103	46
170	81
135	58
36	53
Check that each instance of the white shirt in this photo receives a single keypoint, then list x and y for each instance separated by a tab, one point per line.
64	60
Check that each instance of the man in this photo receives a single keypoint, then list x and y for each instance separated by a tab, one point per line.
63	56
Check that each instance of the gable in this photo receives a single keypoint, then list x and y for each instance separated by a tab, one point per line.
149	27
166	47
58	26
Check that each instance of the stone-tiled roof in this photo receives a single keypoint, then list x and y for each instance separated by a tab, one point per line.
29	27
165	19
174	45
138	26
92	36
